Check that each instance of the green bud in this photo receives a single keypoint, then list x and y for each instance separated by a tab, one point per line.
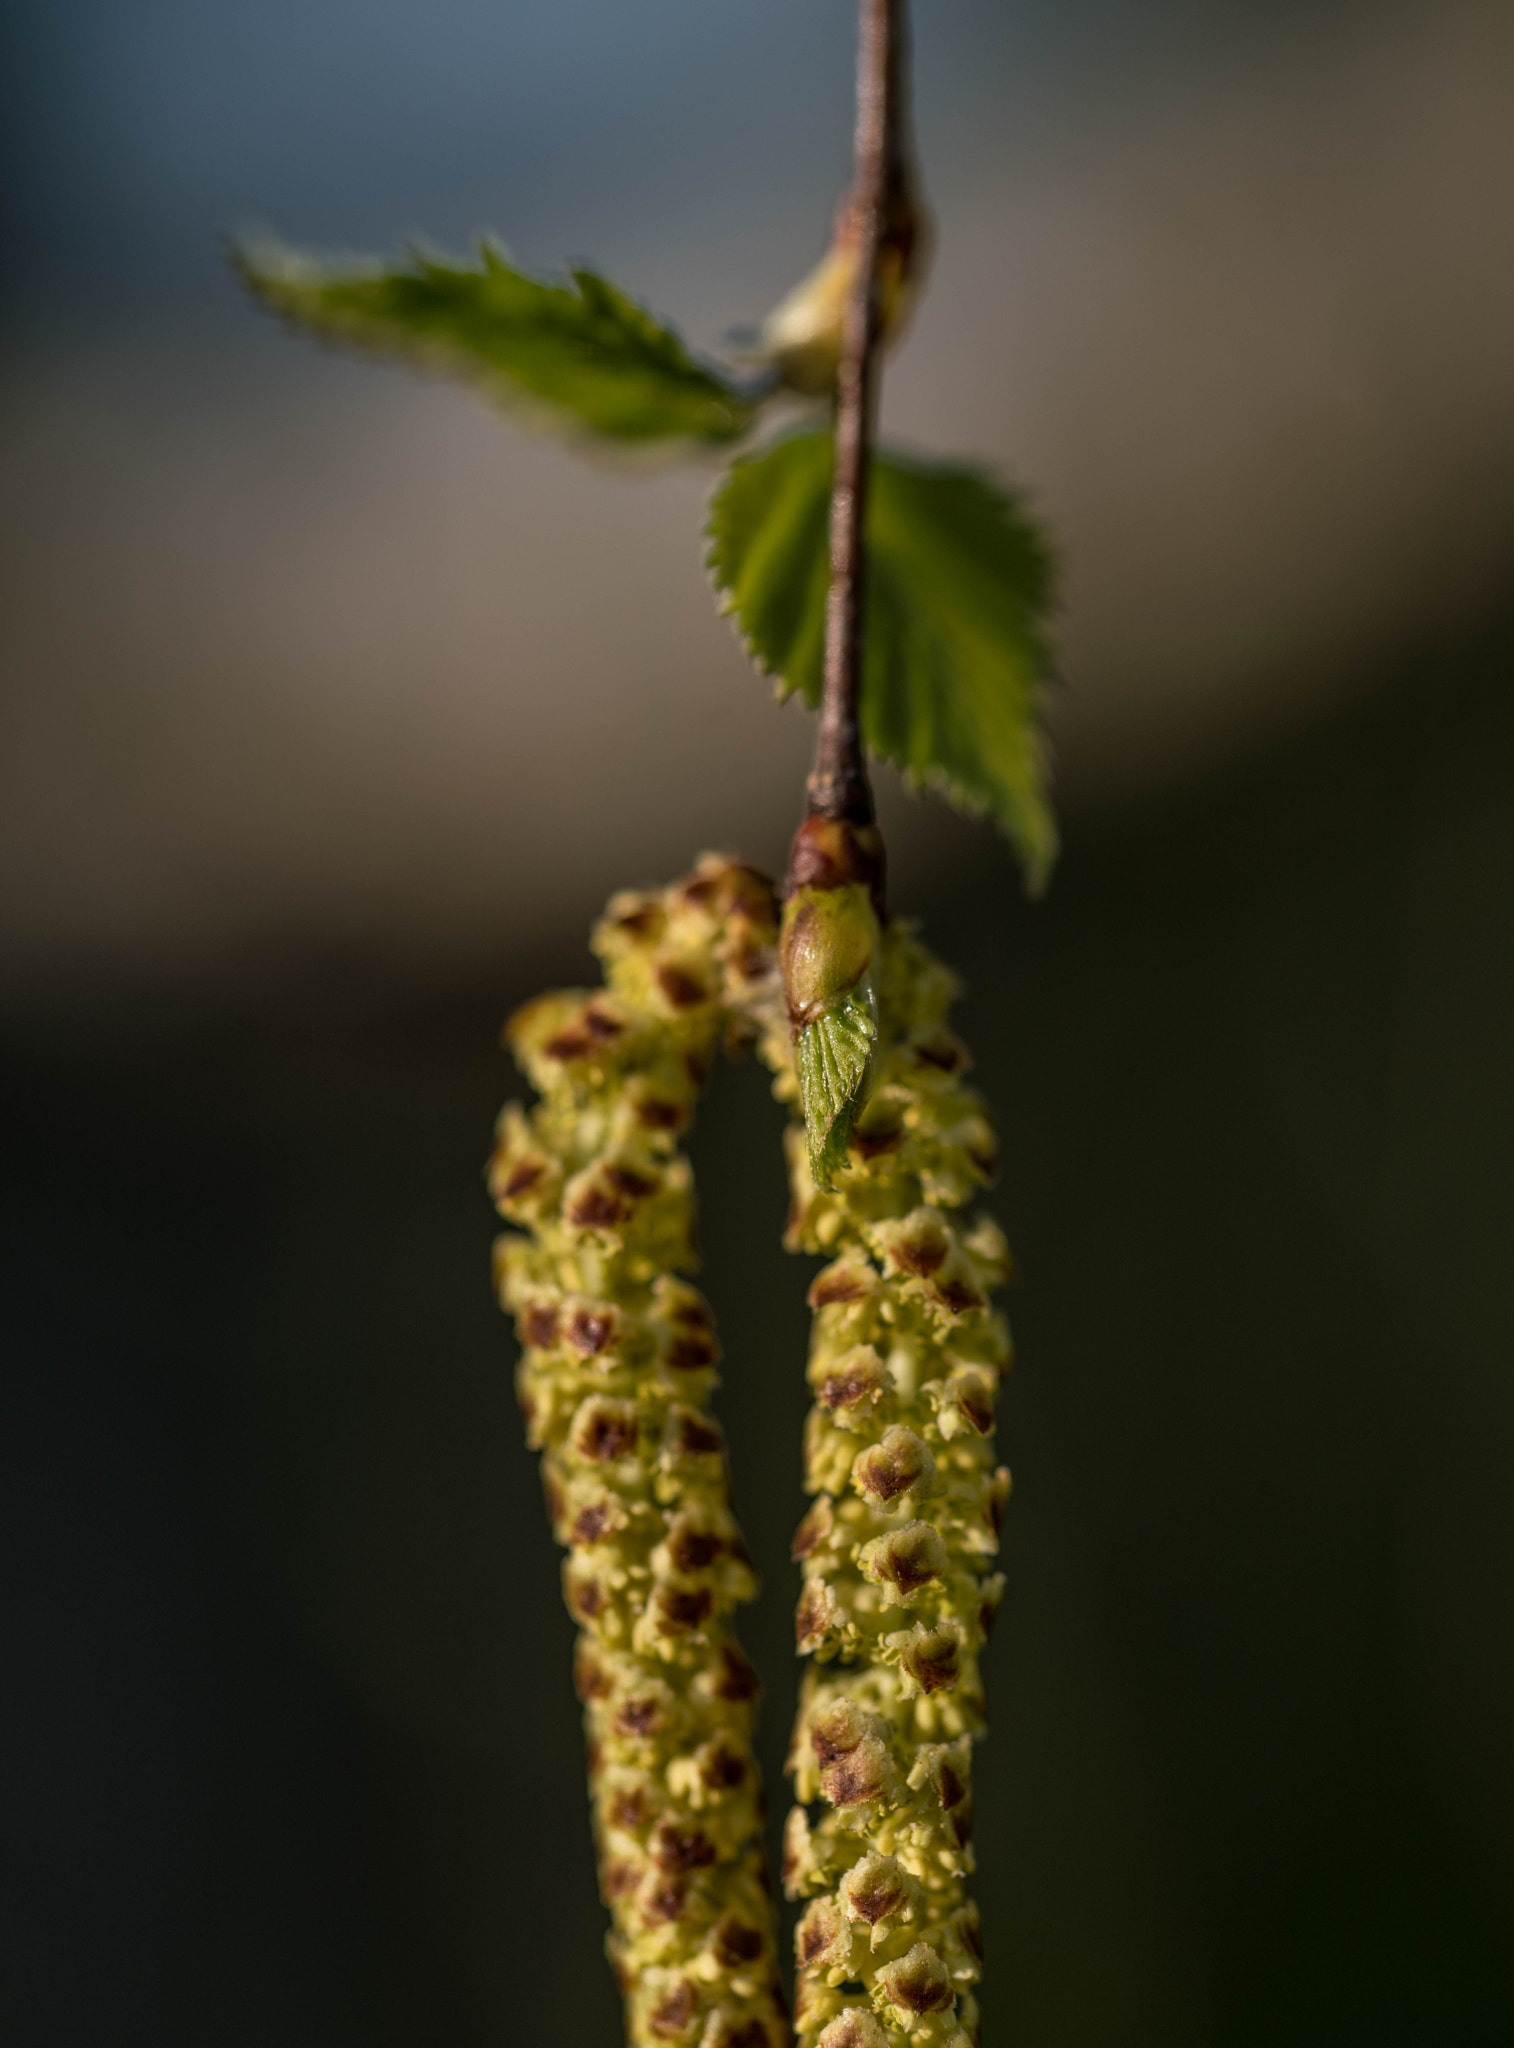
828	943
801	337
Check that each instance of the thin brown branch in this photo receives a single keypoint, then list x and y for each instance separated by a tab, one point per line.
838	784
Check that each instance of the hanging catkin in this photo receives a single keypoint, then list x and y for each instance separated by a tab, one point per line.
906	1360
616	1374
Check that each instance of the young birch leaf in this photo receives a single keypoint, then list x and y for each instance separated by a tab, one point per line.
580	353
956	656
833	1059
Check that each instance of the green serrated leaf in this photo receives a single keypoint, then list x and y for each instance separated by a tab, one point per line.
580	352
833	1058
959	587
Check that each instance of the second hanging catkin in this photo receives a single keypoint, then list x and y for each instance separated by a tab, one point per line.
897	1550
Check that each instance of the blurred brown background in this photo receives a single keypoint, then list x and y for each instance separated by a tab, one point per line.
332	709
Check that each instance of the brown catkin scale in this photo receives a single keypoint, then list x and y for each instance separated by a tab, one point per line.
616	1374
897	1550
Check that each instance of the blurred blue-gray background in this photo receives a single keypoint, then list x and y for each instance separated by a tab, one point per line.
332	708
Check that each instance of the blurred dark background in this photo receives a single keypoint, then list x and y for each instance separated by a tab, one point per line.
332	710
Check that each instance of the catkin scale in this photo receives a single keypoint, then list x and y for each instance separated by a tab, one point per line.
617	1368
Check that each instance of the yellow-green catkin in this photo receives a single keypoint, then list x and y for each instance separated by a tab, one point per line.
616	1376
897	1550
